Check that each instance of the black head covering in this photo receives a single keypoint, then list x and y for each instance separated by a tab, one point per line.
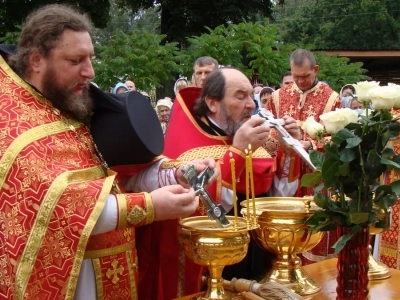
125	128
6	50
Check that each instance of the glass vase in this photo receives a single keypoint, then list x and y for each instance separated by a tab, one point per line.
352	266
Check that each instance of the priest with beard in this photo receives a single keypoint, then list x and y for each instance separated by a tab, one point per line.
215	121
67	226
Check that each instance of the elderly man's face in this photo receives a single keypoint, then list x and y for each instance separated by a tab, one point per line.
304	76
201	73
130	85
237	105
64	76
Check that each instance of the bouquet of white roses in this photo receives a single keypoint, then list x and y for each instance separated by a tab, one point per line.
353	159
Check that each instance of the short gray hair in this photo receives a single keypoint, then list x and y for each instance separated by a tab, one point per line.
205	61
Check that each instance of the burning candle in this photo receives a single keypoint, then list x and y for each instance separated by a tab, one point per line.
247	185
232	162
252	180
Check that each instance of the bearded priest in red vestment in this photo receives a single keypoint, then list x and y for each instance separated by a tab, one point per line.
67	230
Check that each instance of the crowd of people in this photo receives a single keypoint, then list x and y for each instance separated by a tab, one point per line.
92	187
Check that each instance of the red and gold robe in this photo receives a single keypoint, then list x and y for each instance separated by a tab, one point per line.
389	244
52	191
158	248
291	101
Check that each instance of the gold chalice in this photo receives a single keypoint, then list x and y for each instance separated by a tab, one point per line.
283	232
378	270
205	243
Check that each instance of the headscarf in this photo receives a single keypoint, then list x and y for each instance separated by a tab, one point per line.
119	85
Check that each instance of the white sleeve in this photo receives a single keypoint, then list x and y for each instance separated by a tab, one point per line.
108	218
282	187
148	179
226	198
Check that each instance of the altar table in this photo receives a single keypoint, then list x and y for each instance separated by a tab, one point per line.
325	272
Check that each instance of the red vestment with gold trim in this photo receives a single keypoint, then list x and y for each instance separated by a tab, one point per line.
186	140
389	244
291	101
52	191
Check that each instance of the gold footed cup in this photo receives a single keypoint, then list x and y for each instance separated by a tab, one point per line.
378	270
282	231
209	245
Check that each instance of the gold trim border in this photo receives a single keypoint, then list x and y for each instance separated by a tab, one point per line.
107	186
110	251
149	208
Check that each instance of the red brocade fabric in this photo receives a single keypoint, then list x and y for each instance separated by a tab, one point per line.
52	191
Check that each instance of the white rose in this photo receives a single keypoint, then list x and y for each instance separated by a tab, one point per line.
312	127
350	114
383	97
362	89
397	101
338	119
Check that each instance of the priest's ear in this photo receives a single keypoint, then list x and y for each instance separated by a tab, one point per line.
36	61
212	103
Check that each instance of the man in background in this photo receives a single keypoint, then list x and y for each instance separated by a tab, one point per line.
306	97
286	79
202	67
131	85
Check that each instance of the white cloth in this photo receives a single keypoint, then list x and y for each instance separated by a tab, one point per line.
86	286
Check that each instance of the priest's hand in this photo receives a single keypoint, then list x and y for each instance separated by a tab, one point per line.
173	201
199	165
251	133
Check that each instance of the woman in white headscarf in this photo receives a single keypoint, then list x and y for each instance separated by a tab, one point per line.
163	110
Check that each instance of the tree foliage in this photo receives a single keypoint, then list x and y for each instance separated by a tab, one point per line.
138	56
341	24
184	18
14	12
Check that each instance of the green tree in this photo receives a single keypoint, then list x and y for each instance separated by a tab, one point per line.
253	48
181	19
341	24
14	12
138	56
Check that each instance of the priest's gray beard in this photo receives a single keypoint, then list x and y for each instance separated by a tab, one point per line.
228	125
63	98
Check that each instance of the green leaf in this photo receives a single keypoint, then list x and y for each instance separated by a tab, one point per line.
389	162
353	142
395	185
359	217
329	171
341	242
321	200
311	179
347	155
317	158
344	170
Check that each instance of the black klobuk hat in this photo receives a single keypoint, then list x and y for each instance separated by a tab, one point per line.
7	49
125	128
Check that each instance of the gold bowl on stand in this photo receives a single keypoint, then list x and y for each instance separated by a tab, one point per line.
378	270
282	231
207	244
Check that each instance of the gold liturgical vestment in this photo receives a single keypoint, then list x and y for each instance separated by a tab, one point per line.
52	190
